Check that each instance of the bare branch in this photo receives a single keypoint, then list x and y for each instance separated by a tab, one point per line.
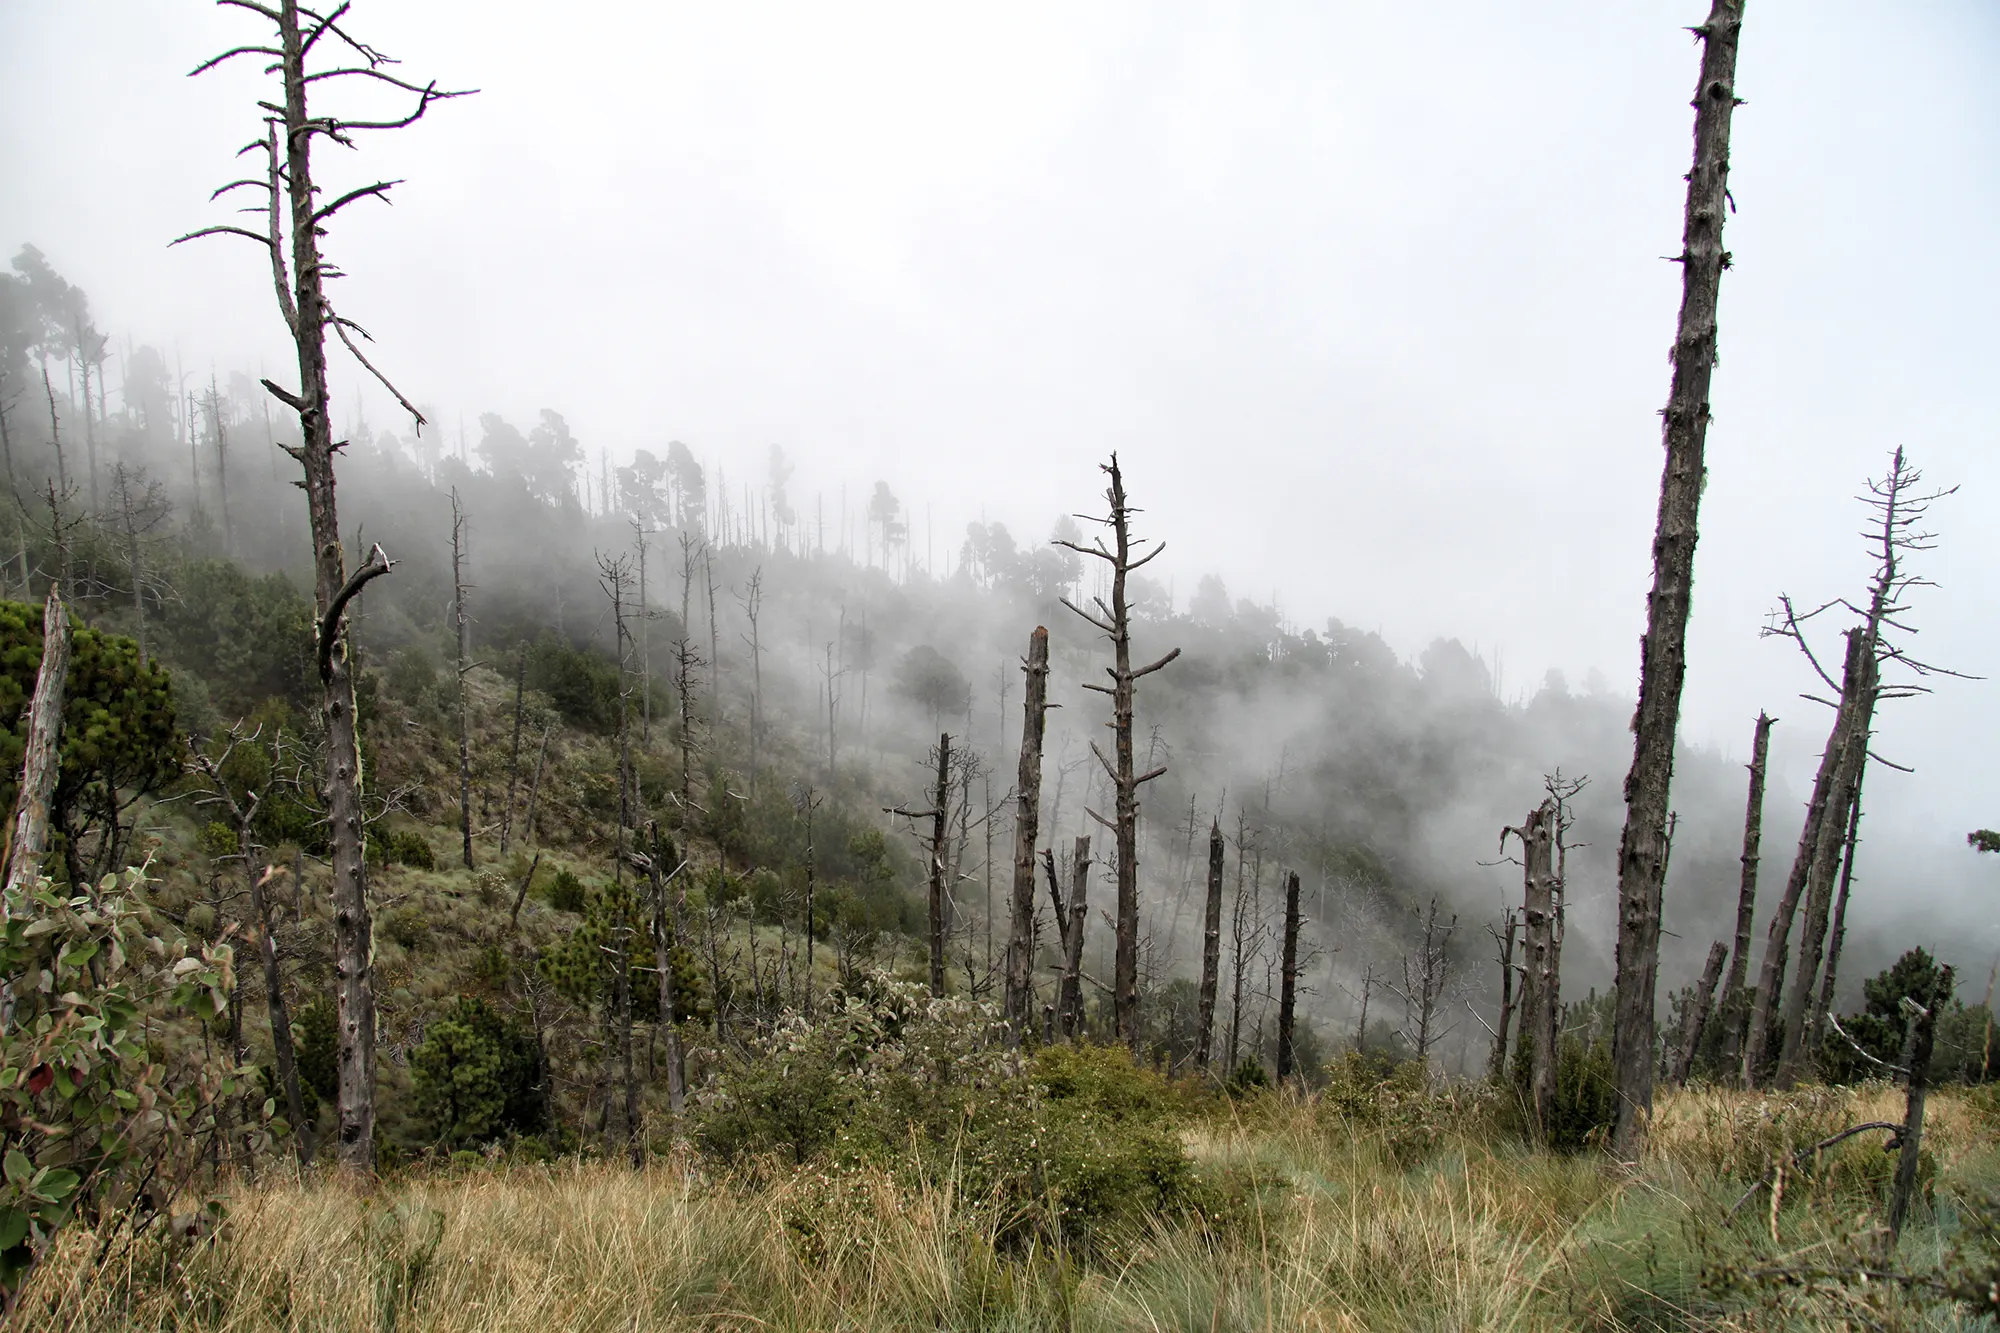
377	565
380	190
220	229
341	326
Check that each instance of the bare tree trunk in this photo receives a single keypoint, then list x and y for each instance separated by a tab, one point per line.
1027	828
460	625
1772	971
221	467
1496	1067
753	605
666	938
1816	1032
514	754
1541	1001
1917	1059
1857	715
940	817
1288	978
1696	1016
41	758
1211	947
1735	1004
1642	848
1126	780
1070	996
535	786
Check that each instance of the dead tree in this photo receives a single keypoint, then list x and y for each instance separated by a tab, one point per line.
1541	986
1695	1017
141	507
687	661
809	802
752	598
242	817
296	214
940	814
1642	848
464	645
1211	947
615	577
514	750
1917	1048
1837	936
220	430
1369	981
1027	828
1504	939
669	925
1071	918
1735	1004
40	756
1424	982
1246	929
1288	978
639	534
1115	623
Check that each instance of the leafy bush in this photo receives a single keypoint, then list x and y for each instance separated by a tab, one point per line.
408	927
566	891
477	1077
1079	1146
316	1038
87	1117
582	686
1376	1093
409	847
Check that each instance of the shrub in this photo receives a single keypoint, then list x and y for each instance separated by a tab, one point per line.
566	892
476	1077
317	1040
408	927
410	847
1078	1147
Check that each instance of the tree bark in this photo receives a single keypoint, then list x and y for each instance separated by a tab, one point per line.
1069	995
1856	719
1642	848
666	936
1735	1004
940	818
1838	938
42	757
1696	1016
1496	1067
1288	979
1541	999
1020	998
1211	947
1917	1059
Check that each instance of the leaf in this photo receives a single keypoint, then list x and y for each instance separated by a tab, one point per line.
19	1170
58	1184
13	1227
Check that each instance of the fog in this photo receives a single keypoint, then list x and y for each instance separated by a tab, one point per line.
1370	301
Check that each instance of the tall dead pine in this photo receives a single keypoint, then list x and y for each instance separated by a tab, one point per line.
1115	622
1288	980
297	210
1735	1004
1694	1019
940	817
1211	947
463	635
1020	998
1541	985
1642	848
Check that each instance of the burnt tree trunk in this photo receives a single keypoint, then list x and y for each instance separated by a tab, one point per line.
1696	1016
1116	624
1642	848
1069	995
41	757
1211	948
1735	1003
940	819
1027	828
1288	979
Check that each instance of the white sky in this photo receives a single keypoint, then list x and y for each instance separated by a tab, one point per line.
1369	296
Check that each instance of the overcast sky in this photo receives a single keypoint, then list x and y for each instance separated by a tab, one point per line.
1369	297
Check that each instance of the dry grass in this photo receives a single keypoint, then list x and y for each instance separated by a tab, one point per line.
1327	1233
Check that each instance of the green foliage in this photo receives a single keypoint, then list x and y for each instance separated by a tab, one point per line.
1248	1078
118	733
408	927
1082	1150
566	891
582	686
583	964
85	1112
250	638
316	1038
1880	1027
476	1077
409	847
1394	1100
